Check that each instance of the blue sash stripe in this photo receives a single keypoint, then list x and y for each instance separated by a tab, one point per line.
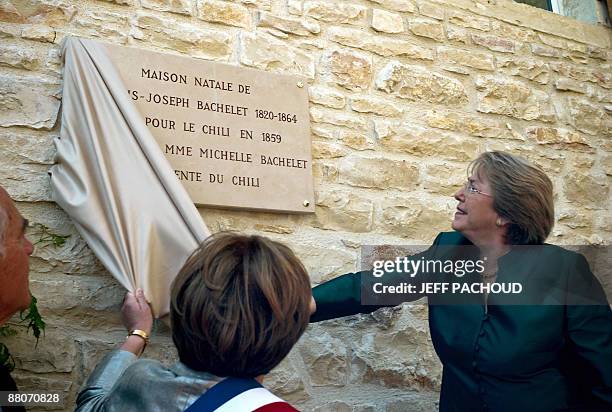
222	392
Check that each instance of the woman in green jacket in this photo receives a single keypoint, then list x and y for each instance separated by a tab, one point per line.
550	351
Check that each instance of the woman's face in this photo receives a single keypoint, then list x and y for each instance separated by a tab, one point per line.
475	217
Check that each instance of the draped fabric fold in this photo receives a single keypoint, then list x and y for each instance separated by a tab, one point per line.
112	179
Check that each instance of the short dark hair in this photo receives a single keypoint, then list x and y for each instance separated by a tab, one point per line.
522	193
239	304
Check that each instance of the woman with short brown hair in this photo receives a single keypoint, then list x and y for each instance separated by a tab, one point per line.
239	304
546	350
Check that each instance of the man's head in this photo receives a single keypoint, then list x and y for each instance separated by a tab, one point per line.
14	252
239	304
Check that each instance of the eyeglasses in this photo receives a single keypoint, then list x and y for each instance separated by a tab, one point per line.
469	188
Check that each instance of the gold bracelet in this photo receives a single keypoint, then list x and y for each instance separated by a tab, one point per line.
137	332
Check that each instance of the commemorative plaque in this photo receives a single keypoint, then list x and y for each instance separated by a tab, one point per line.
235	137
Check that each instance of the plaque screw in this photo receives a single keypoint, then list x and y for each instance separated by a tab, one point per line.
306	203
300	84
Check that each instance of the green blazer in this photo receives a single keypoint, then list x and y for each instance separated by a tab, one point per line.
511	358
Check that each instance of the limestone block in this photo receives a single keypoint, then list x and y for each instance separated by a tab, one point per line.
457	35
565	84
231	14
28	102
325	358
285	382
326	96
494	43
575	57
26	146
267	53
417	83
365	104
397	5
91	351
586	117
100	24
545	51
379	173
415	402
576	221
464	123
294	7
513	98
184	38
387	22
341	406
431	10
9	31
74	257
349	69
426	28
343	210
597	53
324	172
324	131
414	219
443	179
322	253
24	168
421	142
54	352
467	20
583	74
326	150
335	12
528	68
606	163
84	301
290	25
37	12
383	46
38	33
260	4
476	60
357	141
587	191
510	31
19	57
173	6
561	137
553	41
337	118
390	357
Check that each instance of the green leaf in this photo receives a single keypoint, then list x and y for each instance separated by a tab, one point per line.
48	238
35	322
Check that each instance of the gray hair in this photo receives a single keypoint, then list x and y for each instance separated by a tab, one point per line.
3	225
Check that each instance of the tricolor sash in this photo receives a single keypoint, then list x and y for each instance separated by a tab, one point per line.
239	395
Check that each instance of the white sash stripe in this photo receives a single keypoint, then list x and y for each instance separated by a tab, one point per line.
249	401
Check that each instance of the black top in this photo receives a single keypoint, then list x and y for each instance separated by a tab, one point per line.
511	358
8	384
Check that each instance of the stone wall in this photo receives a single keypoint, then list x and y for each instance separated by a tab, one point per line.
403	93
